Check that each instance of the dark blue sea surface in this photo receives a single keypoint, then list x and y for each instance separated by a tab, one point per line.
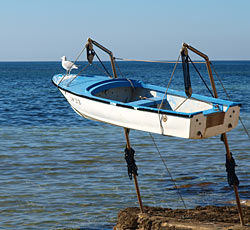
59	170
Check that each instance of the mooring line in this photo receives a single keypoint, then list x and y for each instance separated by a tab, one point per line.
241	121
151	61
168	170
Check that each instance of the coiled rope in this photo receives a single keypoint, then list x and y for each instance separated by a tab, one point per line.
232	179
132	167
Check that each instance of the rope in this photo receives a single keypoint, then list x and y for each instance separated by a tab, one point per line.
103	65
118	68
244	127
78	74
201	77
129	157
169	62
177	107
131	83
79	55
169	82
166	92
100	69
61	80
220	81
232	179
168	170
71	66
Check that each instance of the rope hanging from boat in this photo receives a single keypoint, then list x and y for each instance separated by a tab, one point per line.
129	157
169	82
169	173
162	101
241	121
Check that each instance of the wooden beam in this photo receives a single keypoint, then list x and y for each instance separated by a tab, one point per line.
237	197
126	131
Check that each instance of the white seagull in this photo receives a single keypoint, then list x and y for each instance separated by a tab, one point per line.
68	65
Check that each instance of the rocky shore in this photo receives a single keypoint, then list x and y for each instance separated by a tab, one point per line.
202	218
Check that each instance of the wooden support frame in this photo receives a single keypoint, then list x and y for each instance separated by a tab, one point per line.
237	197
126	132
112	59
184	45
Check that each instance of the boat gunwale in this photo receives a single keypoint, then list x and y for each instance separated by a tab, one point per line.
96	85
121	104
93	88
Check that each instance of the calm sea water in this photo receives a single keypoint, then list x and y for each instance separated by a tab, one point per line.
61	171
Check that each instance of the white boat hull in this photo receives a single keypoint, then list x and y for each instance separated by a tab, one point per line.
198	126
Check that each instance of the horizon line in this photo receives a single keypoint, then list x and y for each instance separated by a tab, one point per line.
122	60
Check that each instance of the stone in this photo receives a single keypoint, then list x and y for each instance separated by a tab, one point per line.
199	218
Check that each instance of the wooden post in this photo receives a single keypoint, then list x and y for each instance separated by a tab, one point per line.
126	130
237	197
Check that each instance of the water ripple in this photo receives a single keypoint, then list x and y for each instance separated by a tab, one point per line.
60	171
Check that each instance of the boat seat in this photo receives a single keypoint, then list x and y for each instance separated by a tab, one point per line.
150	102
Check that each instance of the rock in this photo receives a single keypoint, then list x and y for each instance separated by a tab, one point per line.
202	218
127	219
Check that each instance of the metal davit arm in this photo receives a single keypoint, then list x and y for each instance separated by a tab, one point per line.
185	45
90	44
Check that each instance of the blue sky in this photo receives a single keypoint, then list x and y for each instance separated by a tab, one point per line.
45	30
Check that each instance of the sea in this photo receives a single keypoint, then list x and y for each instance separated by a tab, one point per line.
61	171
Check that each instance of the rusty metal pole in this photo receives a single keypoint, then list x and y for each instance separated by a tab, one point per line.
126	131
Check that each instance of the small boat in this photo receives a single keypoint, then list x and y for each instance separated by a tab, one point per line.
136	105
132	104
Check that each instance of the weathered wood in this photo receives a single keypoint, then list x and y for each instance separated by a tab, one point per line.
126	131
237	197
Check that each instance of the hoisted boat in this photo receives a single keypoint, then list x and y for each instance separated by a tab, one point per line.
135	105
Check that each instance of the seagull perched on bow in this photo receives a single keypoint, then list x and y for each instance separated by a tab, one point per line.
68	65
